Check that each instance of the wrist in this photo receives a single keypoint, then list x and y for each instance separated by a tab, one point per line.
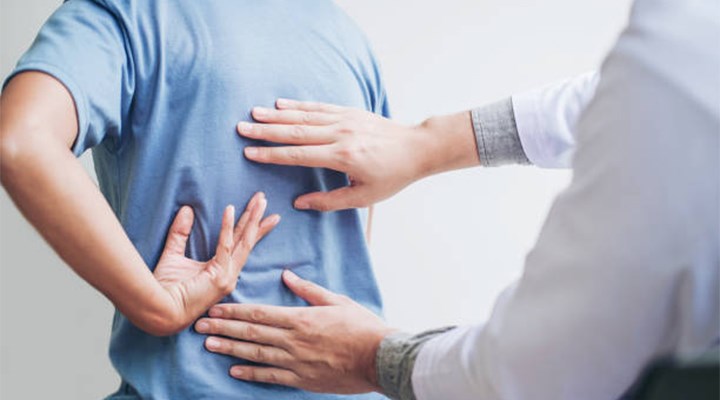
445	143
371	370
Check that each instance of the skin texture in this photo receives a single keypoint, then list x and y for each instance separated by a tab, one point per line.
38	170
380	156
329	347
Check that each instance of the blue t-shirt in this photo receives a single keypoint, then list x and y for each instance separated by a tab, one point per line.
159	87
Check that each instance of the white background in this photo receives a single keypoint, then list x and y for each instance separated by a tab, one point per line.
443	249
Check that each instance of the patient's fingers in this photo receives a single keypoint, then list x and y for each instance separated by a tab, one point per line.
321	156
296	117
242	222
225	241
266	225
179	231
249	235
288	104
288	134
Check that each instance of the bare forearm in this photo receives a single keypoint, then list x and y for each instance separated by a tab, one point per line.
53	191
56	195
485	136
445	143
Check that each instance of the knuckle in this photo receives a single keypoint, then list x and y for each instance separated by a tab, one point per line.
344	153
294	154
345	129
224	283
257	315
298	132
307	117
259	354
251	374
251	333
272	377
304	324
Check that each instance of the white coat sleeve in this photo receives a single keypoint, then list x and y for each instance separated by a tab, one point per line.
627	265
547	119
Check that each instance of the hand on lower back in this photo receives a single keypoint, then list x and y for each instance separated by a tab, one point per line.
380	156
195	286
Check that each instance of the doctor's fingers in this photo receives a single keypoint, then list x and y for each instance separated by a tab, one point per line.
249	351
277	316
323	156
289	134
288	104
294	117
244	331
276	376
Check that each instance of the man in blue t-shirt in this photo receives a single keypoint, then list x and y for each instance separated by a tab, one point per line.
156	89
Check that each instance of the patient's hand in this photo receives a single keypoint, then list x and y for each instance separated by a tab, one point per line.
194	286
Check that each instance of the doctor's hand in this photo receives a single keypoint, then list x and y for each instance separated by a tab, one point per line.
380	156
195	286
329	347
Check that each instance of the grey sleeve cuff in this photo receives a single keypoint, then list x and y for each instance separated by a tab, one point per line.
496	134
395	361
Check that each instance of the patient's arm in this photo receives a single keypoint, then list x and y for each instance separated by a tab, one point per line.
50	187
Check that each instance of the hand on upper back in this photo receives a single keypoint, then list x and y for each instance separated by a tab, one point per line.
195	286
380	156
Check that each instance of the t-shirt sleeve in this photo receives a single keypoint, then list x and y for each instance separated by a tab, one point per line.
82	45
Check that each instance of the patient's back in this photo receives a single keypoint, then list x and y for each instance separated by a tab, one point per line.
159	87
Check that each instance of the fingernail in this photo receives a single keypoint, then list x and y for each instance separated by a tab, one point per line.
202	327
301	205
236	372
212	343
260	112
251	152
283	102
215	312
289	275
245	128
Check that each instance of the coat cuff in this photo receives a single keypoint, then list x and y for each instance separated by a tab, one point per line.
496	135
395	360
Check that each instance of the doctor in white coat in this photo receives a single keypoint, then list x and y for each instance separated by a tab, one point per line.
626	268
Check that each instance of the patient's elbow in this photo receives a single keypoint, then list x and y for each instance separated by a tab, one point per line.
18	152
10	151
161	323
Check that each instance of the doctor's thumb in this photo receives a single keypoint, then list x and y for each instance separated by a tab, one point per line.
338	199
314	294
